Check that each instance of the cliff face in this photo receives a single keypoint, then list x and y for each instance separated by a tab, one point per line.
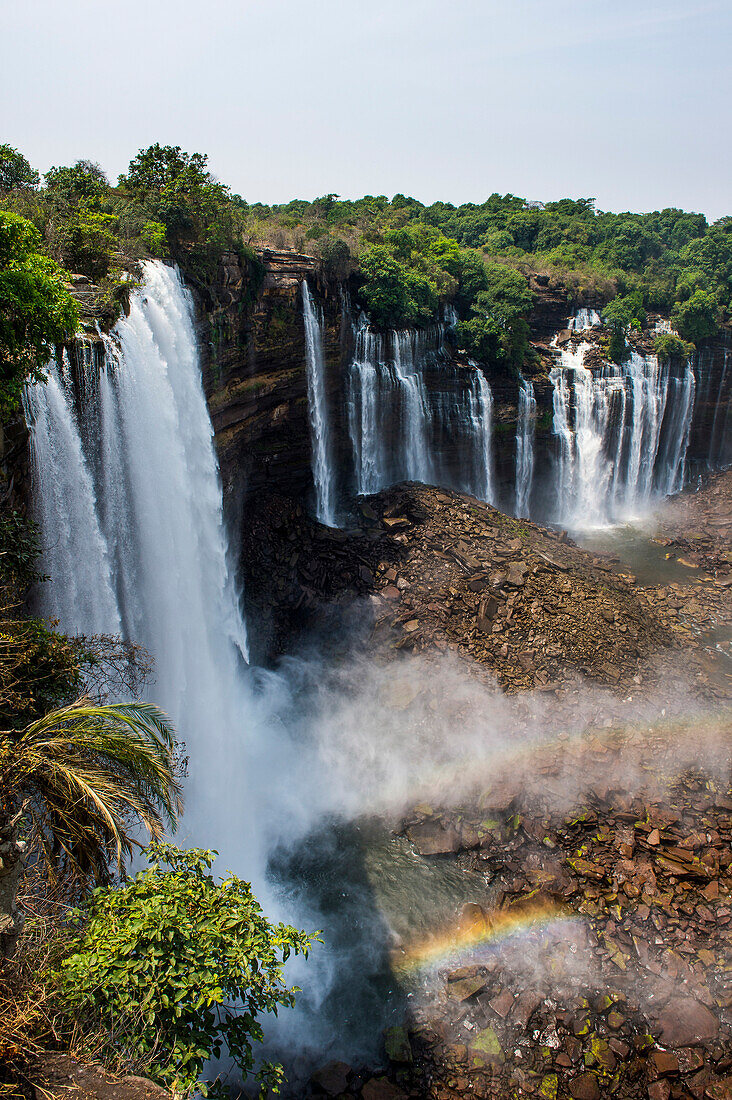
252	341
252	337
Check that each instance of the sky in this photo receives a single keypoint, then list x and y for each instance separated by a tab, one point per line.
625	101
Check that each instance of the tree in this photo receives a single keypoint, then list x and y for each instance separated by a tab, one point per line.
16	173
36	309
83	182
175	967
695	318
497	331
82	778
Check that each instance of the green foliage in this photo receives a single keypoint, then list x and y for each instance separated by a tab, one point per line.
155	238
176	190
36	310
81	183
497	331
408	274
670	346
86	243
176	966
16	173
335	256
620	315
89	776
696	317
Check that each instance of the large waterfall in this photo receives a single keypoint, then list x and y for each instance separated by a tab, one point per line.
320	434
130	508
623	433
413	415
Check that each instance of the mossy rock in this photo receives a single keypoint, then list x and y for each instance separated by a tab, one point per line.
485	1049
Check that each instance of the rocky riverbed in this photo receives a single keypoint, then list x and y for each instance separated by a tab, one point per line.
603	967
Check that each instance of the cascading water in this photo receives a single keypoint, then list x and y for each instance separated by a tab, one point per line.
75	551
525	431
584	319
623	433
720	444
320	435
134	539
414	416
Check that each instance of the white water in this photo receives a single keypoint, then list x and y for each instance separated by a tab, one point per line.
75	551
134	538
584	319
622	432
414	416
525	432
320	434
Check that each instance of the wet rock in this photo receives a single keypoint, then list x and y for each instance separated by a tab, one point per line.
381	1088
397	1045
659	1090
465	988
484	1049
584	1087
431	839
720	1090
684	1022
332	1079
663	1063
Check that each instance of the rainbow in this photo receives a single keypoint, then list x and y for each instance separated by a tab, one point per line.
471	940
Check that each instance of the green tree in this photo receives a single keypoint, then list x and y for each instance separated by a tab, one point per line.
497	330
177	967
695	318
81	778
83	182
36	309
16	173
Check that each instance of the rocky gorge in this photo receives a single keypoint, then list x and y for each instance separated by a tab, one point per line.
598	962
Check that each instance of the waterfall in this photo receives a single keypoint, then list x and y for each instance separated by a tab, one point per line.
75	552
413	415
525	430
719	440
323	471
622	435
133	534
584	319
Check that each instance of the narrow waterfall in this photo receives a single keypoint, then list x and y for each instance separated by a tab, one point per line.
525	431
133	535
622	433
75	551
720	444
413	415
320	434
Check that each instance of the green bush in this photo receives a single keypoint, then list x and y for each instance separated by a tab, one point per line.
176	967
16	173
696	317
670	346
36	309
497	331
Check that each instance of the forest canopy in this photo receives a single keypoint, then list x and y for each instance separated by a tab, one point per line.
406	260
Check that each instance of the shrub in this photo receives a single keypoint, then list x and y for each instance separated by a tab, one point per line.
696	317
669	346
36	309
174	967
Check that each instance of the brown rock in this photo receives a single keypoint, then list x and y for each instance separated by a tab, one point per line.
663	1063
331	1079
584	1087
659	1090
502	1004
466	987
685	1022
431	839
380	1088
720	1090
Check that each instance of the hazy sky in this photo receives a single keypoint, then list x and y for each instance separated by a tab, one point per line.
628	101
